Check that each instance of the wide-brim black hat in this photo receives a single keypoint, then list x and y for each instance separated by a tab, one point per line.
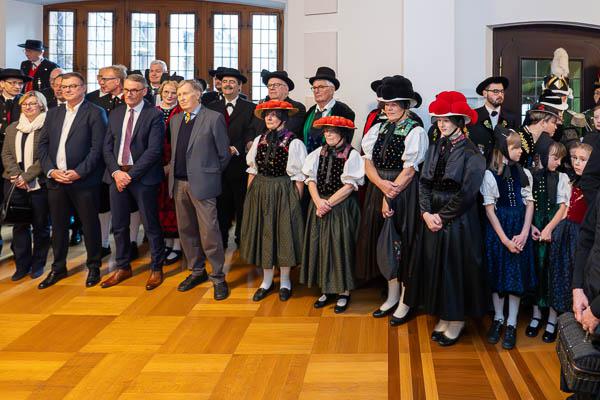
203	83
325	73
232	72
544	108
213	72
33	44
283	75
375	84
492	79
14	73
398	88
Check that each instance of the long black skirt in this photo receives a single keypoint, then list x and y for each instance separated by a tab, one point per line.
447	275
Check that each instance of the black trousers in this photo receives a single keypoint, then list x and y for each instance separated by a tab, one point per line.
230	205
28	258
146	199
85	201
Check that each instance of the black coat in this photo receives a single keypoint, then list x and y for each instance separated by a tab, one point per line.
339	109
50	97
10	111
41	78
483	136
590	180
295	124
242	128
106	102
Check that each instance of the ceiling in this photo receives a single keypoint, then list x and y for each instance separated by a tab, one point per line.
261	3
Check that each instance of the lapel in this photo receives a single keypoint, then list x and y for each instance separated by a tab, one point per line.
120	117
237	110
177	118
198	124
139	121
78	120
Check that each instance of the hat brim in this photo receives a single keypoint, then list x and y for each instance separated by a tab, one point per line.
319	126
241	77
24	78
258	112
335	82
492	79
287	80
559	107
466	117
24	46
413	102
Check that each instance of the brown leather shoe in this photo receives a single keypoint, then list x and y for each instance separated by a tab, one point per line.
116	277
155	279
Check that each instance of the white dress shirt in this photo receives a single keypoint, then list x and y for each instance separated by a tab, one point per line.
234	102
61	154
494	119
327	109
136	114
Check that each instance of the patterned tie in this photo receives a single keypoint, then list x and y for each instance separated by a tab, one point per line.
127	143
187	116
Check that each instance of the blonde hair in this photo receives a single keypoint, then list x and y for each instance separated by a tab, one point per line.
497	163
167	83
557	150
119	70
40	98
582	146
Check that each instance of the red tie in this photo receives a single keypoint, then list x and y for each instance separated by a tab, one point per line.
127	143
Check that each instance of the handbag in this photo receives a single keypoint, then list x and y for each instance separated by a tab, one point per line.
579	355
389	252
12	214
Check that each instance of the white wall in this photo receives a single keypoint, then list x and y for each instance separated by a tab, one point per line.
18	21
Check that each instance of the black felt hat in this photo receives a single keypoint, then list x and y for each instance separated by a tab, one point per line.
396	88
325	73
14	73
213	72
33	44
492	79
232	72
283	75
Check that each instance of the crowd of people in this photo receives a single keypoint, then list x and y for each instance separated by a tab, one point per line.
480	212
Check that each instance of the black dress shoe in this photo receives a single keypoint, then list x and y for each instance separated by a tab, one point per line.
323	303
173	260
285	294
105	251
261	293
436	335
93	277
192	281
52	278
379	313
36	273
510	337
493	335
530	331
399	321
19	274
75	238
133	251
340	309
221	290
549	337
445	341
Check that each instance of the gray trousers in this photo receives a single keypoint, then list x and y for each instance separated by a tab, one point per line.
199	232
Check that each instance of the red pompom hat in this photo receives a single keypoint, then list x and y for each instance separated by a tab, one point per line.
274	105
334	120
452	103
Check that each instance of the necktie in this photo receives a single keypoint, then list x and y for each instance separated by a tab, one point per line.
229	107
127	143
314	132
187	116
494	113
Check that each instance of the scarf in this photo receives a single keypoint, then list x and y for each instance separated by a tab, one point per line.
333	152
26	127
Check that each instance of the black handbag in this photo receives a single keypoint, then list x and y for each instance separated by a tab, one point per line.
19	213
579	355
389	246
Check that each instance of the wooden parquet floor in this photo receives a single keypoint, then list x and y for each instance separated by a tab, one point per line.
69	342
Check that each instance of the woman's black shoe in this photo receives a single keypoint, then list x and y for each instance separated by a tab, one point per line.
321	304
510	337
436	335
173	260
493	335
549	337
379	313
340	309
445	341
285	294
262	293
530	331
399	321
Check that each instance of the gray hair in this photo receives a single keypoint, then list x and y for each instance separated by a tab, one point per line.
196	86
137	78
161	63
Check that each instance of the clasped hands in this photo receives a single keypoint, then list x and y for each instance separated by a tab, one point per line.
517	243
18	181
323	207
583	312
122	179
66	177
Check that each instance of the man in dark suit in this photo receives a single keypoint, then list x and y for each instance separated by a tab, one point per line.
110	94
36	66
70	151
491	114
242	128
200	154
323	85
133	153
279	85
53	94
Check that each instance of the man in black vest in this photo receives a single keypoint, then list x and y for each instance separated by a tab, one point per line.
491	114
279	85
242	128
36	66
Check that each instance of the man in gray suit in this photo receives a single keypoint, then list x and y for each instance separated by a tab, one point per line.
200	153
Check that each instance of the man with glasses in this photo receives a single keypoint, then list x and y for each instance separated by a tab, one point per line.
323	85
491	114
155	75
36	66
242	128
53	94
279	85
70	151
110	80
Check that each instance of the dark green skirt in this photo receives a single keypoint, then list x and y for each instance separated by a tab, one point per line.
272	226
328	254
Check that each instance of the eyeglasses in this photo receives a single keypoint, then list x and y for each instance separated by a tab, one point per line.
103	79
132	91
30	104
274	85
70	87
495	91
15	83
319	88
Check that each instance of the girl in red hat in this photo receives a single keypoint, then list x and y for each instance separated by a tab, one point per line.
334	172
447	275
273	227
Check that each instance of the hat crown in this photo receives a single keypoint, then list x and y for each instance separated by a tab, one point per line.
395	86
325	71
452	103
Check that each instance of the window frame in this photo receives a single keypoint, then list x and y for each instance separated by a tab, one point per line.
85	54
76	39
279	43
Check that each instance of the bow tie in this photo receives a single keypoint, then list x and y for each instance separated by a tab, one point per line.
494	113
229	105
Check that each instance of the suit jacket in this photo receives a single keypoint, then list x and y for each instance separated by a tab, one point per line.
41	78
83	146
146	145
242	128
294	124
482	134
339	109
9	156
207	153
13	109
50	97
106	102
